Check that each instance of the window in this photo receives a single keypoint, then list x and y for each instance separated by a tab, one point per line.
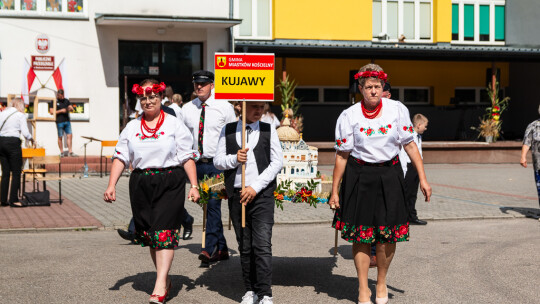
402	19
322	94
44	8
478	21
472	95
411	95
256	18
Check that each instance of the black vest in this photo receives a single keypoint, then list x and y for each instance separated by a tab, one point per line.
261	152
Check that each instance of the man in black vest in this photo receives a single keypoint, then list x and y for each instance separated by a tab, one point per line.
264	159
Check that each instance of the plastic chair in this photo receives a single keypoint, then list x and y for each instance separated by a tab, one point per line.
105	143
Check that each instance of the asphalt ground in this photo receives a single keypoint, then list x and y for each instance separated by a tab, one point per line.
468	261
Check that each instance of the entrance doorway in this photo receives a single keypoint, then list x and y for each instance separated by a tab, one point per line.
170	62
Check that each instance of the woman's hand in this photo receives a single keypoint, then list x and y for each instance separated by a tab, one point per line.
523	162
193	195
110	194
426	190
334	201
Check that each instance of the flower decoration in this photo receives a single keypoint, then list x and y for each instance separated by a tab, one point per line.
156	88
367	74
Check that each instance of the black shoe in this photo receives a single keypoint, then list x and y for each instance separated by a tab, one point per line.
4	204
417	222
126	235
204	257
188	228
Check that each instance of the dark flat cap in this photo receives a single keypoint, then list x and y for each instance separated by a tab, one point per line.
203	76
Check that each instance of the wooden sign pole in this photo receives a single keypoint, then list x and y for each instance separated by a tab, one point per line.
244	164
204	225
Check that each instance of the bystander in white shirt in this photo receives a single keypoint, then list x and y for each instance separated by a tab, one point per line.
15	125
257	181
177	111
218	113
271	119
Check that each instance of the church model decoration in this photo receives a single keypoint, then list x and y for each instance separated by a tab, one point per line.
299	160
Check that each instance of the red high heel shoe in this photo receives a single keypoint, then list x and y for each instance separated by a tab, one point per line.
161	299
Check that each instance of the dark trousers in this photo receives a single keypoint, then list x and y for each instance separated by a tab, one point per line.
11	161
411	190
255	242
215	240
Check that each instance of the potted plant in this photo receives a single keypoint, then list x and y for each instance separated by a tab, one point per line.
490	123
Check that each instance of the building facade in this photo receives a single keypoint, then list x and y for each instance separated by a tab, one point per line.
440	55
105	47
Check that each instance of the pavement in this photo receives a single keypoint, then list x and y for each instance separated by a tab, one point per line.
460	191
480	246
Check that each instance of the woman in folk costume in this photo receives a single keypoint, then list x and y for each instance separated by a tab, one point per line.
159	148
370	206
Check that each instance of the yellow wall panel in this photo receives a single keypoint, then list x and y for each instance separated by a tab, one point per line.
442	76
323	20
442	21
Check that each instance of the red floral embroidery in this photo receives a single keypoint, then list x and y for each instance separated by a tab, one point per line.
408	129
384	129
340	142
369	131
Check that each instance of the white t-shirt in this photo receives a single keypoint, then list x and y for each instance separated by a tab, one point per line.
374	140
172	145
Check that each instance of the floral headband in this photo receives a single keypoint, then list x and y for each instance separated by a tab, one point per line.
381	75
156	88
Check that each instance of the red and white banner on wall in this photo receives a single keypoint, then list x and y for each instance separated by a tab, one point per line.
27	81
59	75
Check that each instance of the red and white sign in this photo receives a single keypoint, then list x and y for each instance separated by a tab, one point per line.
42	44
43	63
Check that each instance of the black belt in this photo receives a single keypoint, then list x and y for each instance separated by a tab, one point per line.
389	163
205	160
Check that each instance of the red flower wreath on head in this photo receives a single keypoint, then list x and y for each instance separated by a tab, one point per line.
156	88
366	74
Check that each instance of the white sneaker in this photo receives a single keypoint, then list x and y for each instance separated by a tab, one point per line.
250	298
267	300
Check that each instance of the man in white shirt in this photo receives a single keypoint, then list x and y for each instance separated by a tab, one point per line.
264	159
205	117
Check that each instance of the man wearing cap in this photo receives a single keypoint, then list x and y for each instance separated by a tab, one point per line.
205	117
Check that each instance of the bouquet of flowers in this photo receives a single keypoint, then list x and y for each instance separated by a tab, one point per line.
212	187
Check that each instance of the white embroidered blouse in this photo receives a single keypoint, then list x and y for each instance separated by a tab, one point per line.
171	146
374	140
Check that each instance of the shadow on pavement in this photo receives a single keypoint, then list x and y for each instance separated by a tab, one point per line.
527	212
144	282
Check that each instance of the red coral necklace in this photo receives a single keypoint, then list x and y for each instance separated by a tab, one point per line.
371	114
152	131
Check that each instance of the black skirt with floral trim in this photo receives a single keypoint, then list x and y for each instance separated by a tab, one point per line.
157	202
372	203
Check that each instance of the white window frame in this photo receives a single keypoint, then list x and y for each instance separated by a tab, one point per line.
321	95
236	29
402	94
384	23
41	11
477	3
